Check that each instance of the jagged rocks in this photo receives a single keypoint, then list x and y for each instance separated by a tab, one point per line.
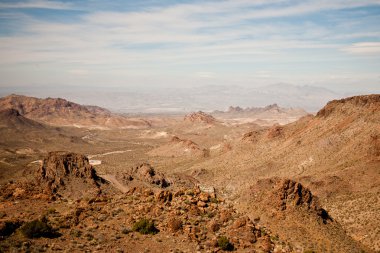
144	173
68	174
59	165
293	194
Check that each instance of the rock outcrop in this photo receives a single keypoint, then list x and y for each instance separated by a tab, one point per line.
144	173
200	117
68	174
291	194
275	132
179	147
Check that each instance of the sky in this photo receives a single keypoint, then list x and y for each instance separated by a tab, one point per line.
333	44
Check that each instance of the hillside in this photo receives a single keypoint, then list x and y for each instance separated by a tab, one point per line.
58	111
308	186
325	152
12	119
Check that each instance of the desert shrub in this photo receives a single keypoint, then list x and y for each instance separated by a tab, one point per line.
8	227
145	226
38	228
225	244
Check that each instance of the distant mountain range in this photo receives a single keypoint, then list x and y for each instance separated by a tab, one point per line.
186	99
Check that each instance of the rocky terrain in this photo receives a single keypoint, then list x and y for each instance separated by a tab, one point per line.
183	219
200	117
179	147
11	118
60	112
195	184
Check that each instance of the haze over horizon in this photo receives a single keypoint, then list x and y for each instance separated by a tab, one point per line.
68	48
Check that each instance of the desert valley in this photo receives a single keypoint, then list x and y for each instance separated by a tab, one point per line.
78	178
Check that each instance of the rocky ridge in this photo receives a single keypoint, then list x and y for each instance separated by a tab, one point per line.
11	118
58	111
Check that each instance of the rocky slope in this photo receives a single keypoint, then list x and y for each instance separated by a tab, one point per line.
291	211
181	219
58	111
177	147
12	119
260	192
324	152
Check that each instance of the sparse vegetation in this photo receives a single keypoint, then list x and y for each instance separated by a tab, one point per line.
38	228
224	244
145	227
9	227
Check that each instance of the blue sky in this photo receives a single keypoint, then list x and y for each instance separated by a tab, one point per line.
331	44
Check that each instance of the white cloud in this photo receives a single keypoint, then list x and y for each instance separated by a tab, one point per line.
44	4
364	48
205	74
162	40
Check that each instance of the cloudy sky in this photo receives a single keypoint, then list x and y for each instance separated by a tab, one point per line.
328	43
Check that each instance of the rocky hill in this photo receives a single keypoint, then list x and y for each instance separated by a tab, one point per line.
177	147
180	219
308	186
58	111
324	152
12	119
68	174
292	211
199	117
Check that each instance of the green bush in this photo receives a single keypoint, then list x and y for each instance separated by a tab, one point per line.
38	228
145	227
225	244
